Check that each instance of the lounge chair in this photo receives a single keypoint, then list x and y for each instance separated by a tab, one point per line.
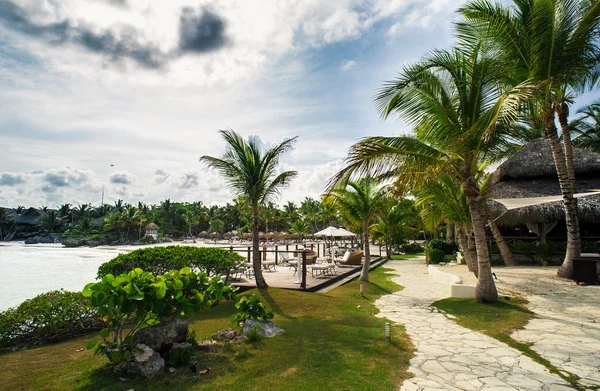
325	269
353	258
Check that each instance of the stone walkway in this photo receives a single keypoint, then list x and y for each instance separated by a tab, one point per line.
449	356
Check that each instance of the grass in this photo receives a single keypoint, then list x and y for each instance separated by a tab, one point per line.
499	320
332	342
406	256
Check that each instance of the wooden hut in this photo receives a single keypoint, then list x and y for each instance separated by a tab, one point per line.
531	173
152	230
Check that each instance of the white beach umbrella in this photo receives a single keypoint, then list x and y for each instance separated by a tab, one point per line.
329	231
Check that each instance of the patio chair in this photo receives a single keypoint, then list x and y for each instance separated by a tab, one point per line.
323	269
353	258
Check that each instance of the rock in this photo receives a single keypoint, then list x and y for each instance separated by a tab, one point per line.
34	240
266	329
162	336
175	356
46	240
145	362
225	335
93	243
207	345
71	243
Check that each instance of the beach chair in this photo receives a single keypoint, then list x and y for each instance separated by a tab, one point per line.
351	258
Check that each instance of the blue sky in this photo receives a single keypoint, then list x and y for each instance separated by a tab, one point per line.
125	95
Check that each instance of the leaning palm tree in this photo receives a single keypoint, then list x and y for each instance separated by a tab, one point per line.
359	202
553	44
252	174
455	104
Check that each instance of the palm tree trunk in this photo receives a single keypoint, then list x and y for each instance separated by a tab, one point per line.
364	275
485	290
567	187
260	280
450	233
507	255
471	255
461	238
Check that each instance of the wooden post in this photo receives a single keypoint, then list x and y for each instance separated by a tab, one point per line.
303	283
275	255
379	250
287	247
264	253
426	256
231	248
319	250
249	255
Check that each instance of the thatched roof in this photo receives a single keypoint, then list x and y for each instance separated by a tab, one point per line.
535	160
152	227
31	216
531	173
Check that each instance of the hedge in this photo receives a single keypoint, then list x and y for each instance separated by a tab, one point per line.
160	260
50	317
446	247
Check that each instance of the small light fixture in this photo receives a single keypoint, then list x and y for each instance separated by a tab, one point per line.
388	332
361	289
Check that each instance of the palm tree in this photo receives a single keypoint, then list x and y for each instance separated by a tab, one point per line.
51	221
252	174
587	127
554	45
130	217
359	201
456	105
310	209
19	209
389	221
191	219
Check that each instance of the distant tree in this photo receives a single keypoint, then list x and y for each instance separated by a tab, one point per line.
51	221
252	174
19	209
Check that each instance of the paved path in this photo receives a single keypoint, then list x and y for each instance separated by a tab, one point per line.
449	356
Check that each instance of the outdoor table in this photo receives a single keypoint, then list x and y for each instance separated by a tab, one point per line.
585	268
268	265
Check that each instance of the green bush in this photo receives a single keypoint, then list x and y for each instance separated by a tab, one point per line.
49	317
410	248
250	307
149	300
159	260
435	256
446	247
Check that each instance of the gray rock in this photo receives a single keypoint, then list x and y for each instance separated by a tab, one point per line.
162	336
145	362
207	345
93	243
46	239
34	240
72	243
176	351
267	329
225	335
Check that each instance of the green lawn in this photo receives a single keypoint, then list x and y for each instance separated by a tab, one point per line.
406	256
332	342
499	320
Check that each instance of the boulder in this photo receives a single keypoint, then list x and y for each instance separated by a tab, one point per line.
34	240
162	336
46	239
72	243
226	335
208	345
145	362
182	354
93	243
266	329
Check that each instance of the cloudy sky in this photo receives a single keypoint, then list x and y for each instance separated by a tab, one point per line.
126	95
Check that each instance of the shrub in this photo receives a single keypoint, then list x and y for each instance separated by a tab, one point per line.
250	307
410	248
446	247
435	256
150	300
159	260
49	317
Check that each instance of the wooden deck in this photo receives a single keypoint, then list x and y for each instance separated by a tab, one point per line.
284	277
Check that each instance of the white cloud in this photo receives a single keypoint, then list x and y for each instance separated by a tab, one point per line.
348	65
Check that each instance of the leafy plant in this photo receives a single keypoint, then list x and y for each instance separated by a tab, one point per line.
159	260
446	247
49	317
143	299
254	335
436	256
250	307
410	248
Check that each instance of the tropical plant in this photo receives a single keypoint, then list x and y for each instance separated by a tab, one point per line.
49	317
455	104
19	209
390	221
359	201
153	299
51	221
252	174
554	45
586	128
250	307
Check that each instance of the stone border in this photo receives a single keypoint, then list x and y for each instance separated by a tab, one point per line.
457	288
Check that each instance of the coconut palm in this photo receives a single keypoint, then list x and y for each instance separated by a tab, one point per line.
51	221
390	219
190	219
586	127
19	209
457	107
129	218
252	174
553	44
359	202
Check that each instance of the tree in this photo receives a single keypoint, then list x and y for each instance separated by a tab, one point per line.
586	127
19	209
51	221
554	45
252	174
191	219
359	201
455	104
389	221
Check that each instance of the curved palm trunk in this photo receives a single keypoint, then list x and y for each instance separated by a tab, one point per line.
507	255
471	254
260	280
485	290
364	275
467	247
450	233
567	187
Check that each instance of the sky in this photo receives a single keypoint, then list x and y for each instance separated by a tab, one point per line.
122	97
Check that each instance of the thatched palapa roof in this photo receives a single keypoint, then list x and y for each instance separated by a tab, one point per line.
531	173
152	227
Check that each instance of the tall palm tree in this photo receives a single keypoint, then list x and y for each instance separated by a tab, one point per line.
553	44
390	218
455	104
359	201
252	174
586	127
51	221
